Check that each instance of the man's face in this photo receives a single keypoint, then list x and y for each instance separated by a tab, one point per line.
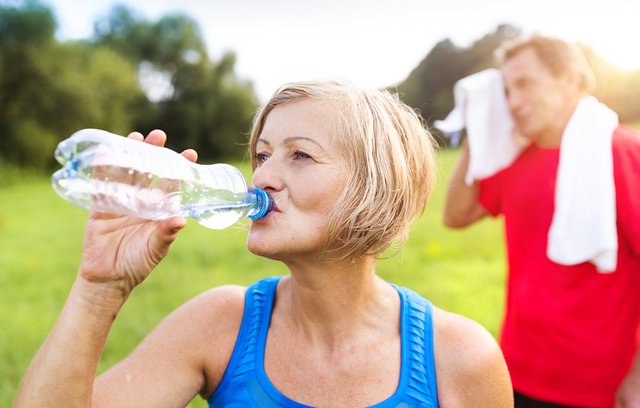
540	103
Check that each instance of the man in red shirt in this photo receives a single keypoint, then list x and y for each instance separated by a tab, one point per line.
570	334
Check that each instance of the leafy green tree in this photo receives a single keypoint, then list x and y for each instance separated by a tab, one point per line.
26	34
204	106
98	86
49	90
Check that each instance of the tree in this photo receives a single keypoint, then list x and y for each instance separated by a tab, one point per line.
205	106
49	90
25	35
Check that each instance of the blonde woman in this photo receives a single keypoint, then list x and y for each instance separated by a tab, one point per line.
348	170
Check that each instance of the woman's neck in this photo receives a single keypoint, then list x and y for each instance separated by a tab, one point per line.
329	302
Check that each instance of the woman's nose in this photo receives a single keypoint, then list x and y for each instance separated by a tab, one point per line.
268	176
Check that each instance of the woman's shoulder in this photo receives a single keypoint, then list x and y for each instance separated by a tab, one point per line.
214	314
461	332
224	297
468	357
221	308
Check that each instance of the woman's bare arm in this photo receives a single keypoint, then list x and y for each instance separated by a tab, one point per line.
470	368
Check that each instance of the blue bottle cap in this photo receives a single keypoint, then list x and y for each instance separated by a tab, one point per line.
264	203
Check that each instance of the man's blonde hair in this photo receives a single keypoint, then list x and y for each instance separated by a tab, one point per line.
560	57
390	159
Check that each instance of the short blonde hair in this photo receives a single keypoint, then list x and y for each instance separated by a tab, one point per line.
560	57
391	163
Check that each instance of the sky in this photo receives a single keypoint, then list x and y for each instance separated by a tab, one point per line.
374	43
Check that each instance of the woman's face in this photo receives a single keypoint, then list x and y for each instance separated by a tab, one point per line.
300	165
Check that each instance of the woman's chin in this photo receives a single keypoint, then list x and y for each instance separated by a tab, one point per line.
262	252
257	246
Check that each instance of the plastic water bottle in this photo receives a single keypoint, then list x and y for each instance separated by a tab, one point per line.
106	172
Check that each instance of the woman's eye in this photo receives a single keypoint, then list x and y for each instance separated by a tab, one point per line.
298	155
261	158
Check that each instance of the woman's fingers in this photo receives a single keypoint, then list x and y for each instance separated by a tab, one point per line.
156	137
136	136
190	154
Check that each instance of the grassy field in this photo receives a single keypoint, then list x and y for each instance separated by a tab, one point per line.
460	271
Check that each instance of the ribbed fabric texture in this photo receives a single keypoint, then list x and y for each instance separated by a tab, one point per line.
245	384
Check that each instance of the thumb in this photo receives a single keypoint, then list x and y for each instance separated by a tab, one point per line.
166	232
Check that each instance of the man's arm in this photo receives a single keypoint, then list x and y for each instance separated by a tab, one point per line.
462	207
628	394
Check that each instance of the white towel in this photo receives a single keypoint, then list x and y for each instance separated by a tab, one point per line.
584	221
481	108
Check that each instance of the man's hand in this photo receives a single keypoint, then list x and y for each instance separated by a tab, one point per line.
628	395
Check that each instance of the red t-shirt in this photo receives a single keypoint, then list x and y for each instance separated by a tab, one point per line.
569	333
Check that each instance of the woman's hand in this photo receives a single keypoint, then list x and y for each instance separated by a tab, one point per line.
120	251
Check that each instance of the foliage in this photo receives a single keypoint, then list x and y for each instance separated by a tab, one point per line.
50	89
206	107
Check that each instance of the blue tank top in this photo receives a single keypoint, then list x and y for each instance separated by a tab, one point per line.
245	383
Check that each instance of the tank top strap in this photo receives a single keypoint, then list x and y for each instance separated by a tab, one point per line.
257	311
417	348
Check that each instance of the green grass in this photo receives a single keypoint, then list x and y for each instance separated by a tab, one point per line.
460	271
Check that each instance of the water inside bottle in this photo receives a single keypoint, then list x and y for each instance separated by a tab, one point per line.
213	207
121	179
219	216
128	191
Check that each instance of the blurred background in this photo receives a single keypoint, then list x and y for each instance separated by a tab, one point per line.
199	70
